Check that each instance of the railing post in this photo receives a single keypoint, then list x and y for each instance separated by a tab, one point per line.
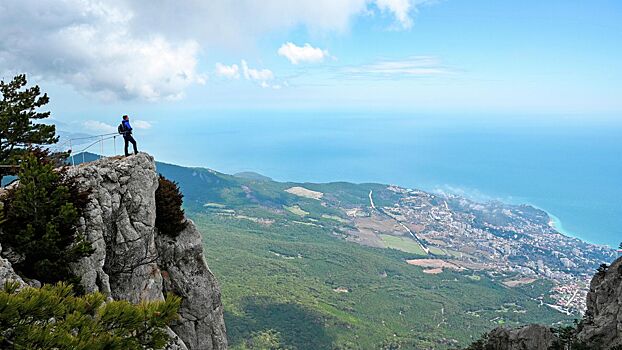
101	147
114	141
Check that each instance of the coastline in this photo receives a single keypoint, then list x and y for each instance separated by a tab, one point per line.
556	223
477	196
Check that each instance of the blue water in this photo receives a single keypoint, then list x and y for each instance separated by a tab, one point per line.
570	167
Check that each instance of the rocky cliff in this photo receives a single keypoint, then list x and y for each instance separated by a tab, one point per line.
132	261
602	323
601	327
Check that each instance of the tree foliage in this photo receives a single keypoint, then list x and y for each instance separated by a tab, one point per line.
170	218
40	222
19	114
264	340
52	317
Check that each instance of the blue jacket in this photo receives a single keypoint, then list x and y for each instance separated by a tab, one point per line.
127	126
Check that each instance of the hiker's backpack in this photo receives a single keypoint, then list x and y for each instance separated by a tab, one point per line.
121	128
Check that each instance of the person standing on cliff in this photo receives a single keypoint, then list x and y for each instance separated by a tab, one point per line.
126	130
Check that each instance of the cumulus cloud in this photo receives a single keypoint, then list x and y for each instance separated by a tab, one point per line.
141	124
409	67
401	10
234	23
297	54
231	72
262	77
123	49
256	74
98	127
87	44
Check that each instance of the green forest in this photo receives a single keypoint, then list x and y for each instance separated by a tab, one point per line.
292	281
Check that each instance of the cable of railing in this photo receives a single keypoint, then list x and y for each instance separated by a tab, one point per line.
71	140
101	141
86	138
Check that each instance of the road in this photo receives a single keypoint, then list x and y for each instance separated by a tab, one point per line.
412	234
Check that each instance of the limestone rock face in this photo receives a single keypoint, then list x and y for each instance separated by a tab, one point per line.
602	324
7	273
531	337
186	274
131	259
119	221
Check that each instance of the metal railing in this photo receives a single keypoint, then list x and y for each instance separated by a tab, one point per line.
91	141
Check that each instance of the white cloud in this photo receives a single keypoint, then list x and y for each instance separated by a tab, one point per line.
141	124
300	54
256	74
231	72
401	10
262	77
412	66
98	127
123	49
87	44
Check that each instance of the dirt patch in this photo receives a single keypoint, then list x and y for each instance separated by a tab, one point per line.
435	271
380	224
518	282
304	192
435	264
364	237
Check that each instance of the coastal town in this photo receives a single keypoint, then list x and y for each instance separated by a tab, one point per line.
515	244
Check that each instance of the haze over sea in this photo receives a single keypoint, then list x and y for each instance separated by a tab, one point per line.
570	168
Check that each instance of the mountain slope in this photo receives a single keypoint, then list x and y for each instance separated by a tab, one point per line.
286	260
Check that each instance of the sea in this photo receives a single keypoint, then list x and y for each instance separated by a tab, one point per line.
569	166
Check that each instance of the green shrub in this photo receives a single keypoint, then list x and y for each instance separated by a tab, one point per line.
170	219
40	222
264	340
52	317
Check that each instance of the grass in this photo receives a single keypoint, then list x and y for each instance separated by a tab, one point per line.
403	243
296	210
335	218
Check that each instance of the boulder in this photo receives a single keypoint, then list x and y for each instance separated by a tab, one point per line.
7	273
530	337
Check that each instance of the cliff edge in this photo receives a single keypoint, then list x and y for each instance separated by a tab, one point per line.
602	323
132	261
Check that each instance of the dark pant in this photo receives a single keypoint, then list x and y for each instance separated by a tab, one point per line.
128	138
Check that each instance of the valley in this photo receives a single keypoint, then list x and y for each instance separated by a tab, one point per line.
341	265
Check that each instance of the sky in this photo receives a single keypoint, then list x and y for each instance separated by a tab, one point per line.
99	59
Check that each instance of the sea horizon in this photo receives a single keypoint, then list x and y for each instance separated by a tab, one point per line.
567	169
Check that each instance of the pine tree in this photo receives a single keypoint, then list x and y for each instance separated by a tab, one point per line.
40	222
19	114
52	317
170	219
